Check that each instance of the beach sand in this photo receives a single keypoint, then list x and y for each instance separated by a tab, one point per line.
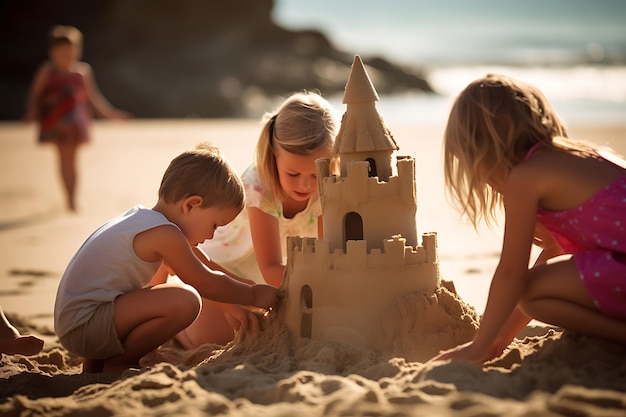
265	371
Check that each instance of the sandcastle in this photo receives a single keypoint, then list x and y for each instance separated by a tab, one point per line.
338	287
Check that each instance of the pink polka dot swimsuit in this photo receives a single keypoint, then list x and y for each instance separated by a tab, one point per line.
595	232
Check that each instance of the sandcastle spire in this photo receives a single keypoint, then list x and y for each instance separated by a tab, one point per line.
362	129
359	88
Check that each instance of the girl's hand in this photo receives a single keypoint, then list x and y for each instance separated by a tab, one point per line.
237	316
265	296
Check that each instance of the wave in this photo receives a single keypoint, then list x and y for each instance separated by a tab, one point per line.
593	83
573	50
585	94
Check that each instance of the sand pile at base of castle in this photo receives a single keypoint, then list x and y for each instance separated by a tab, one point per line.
268	372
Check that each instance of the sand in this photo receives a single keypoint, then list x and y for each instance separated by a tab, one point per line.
266	371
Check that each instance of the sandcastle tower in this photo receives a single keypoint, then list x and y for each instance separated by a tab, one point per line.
338	287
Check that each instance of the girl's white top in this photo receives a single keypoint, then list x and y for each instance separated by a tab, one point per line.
232	247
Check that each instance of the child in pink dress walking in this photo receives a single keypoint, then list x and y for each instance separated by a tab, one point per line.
506	147
62	95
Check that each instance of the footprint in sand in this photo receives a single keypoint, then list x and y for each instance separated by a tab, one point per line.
28	272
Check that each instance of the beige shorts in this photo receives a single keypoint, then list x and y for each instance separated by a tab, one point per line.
97	338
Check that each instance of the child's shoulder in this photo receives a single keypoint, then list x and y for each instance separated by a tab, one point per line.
251	174
83	68
153	229
141	217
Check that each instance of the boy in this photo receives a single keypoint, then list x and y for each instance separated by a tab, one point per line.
106	312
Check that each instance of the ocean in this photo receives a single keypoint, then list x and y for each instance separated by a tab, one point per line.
573	50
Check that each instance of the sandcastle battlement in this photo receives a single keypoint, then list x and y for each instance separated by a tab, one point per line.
341	295
317	253
352	205
358	175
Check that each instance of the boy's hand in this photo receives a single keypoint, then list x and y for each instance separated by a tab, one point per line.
265	296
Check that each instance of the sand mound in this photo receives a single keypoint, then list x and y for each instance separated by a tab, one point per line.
268	372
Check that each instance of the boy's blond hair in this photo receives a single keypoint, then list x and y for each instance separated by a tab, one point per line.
202	171
303	124
493	123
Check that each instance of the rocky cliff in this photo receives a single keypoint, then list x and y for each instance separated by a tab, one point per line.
185	58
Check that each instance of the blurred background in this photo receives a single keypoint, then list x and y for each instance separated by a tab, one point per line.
208	58
573	50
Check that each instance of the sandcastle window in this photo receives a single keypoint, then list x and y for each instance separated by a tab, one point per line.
373	172
306	306
353	226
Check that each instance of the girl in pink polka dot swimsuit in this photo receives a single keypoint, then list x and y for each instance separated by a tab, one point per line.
505	147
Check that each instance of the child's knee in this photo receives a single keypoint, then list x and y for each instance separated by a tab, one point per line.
188	301
529	293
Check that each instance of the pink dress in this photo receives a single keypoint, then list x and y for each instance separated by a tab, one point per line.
64	112
595	233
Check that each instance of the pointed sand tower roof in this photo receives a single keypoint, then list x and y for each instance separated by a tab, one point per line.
359	88
362	127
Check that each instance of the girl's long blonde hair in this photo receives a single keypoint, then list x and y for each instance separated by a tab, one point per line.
302	125
493	123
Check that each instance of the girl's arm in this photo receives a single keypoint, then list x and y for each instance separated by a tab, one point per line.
549	246
518	320
267	246
97	100
236	314
32	102
509	280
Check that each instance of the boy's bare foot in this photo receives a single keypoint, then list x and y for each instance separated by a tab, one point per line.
159	356
93	366
118	368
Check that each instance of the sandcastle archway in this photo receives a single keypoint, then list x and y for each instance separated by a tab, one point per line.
373	172
353	227
306	319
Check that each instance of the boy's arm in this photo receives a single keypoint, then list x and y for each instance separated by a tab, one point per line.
160	277
168	243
